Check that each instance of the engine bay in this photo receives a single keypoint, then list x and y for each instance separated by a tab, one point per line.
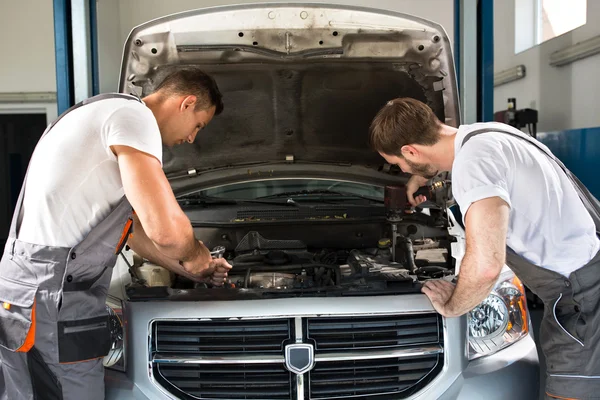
391	250
274	267
370	267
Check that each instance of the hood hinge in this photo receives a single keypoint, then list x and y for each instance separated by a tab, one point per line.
192	172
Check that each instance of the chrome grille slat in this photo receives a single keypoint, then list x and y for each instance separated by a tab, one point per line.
220	348
373	375
376	343
401	365
160	358
327	323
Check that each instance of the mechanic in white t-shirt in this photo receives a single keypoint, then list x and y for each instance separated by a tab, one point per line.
96	162
93	165
98	153
520	206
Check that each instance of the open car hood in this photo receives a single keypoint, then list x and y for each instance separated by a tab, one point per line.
300	82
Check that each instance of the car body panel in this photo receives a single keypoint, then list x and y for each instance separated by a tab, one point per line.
336	61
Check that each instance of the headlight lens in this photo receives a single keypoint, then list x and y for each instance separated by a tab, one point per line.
500	320
115	359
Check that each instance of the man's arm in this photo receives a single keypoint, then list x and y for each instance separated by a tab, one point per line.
142	245
486	229
165	224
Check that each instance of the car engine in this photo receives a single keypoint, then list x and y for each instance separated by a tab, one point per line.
287	265
389	253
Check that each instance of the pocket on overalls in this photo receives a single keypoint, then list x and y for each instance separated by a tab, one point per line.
84	339
17	314
563	348
568	316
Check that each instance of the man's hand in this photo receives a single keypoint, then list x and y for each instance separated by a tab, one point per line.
414	183
211	270
220	268
439	292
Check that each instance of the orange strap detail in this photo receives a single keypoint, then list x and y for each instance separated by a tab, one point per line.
562	398
77	362
124	236
30	339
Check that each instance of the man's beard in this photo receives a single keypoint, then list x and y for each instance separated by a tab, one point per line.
424	170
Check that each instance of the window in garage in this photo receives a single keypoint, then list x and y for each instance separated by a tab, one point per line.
558	17
537	21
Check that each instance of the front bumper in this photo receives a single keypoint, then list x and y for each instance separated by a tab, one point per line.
511	373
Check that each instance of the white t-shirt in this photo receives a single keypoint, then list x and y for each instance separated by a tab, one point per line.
548	224
73	179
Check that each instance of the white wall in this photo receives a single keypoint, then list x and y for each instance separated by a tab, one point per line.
27	62
565	97
110	43
126	14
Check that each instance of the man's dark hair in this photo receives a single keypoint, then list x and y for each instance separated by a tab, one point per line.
194	81
400	122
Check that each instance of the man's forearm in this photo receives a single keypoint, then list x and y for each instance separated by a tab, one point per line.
143	246
181	243
150	194
473	286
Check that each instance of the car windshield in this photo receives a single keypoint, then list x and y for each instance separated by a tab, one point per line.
292	188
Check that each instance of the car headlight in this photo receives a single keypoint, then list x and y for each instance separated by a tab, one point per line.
115	359
500	320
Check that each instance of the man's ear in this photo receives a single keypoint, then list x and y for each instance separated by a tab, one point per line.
409	151
188	101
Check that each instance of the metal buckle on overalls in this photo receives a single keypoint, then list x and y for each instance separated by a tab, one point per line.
11	251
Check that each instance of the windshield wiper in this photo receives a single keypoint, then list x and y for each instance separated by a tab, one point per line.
207	200
321	193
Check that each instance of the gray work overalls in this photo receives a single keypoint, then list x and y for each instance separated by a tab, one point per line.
54	325
569	332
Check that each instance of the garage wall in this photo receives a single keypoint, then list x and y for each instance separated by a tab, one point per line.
126	14
27	60
566	97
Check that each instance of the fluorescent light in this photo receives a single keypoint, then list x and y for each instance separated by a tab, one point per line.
575	52
28	97
509	75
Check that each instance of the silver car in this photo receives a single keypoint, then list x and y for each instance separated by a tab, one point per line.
323	301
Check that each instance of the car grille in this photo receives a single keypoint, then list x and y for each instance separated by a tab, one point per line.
339	334
232	381
370	377
222	337
356	357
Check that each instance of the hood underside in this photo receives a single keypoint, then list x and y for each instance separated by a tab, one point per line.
299	82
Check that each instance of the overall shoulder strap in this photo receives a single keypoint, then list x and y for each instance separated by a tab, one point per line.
94	99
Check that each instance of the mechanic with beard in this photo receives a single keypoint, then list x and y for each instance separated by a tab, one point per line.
99	160
521	206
